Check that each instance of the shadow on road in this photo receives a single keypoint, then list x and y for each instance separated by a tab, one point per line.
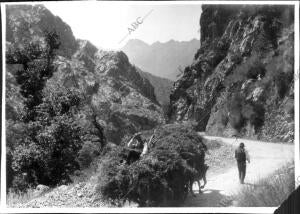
252	185
208	198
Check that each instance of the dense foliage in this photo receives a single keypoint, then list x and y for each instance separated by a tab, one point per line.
57	132
38	66
161	177
251	75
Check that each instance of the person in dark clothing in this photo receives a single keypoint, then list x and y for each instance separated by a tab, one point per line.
241	156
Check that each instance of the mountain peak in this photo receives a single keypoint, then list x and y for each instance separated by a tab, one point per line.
161	58
136	42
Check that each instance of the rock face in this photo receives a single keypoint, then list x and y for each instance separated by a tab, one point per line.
162	87
241	79
123	100
27	22
161	59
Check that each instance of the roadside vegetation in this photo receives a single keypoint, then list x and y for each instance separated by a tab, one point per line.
270	191
48	140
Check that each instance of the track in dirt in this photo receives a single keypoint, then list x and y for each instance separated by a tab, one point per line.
265	158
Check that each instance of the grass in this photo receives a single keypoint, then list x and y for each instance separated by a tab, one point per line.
15	198
270	191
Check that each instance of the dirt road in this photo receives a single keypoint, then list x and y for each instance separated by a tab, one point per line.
265	159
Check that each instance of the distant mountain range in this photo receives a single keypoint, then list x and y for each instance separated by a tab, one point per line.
161	59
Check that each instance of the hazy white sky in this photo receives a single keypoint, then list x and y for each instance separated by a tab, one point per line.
105	24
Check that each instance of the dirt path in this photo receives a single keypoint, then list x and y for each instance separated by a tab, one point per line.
265	159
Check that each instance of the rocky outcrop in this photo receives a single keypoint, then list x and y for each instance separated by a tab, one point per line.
162	87
28	22
237	82
124	102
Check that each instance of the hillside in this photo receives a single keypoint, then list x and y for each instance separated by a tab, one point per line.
241	80
124	100
162	86
72	107
161	59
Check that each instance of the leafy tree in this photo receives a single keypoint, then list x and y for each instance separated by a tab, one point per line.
38	66
48	153
44	146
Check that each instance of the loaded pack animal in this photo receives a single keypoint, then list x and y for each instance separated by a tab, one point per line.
197	161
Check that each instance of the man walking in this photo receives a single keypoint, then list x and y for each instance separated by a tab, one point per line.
241	156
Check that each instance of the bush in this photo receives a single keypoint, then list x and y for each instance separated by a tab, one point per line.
50	156
46	150
38	67
87	154
161	177
43	147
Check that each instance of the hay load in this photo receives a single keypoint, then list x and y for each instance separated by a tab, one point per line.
159	178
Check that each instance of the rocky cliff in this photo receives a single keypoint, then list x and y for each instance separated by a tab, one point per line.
123	100
241	79
162	87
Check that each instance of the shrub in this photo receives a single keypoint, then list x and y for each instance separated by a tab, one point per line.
38	67
87	154
50	156
159	178
46	150
43	147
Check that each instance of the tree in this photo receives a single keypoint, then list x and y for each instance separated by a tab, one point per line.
38	66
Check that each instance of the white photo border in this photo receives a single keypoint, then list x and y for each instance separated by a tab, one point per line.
256	210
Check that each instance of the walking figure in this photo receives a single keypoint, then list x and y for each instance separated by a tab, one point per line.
241	156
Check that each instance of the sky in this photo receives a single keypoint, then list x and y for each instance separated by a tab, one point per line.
109	25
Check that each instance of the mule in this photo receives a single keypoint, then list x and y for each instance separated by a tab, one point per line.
201	175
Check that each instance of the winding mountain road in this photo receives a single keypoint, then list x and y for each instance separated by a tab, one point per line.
265	158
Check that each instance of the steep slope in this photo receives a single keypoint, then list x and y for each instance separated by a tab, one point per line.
241	80
27	22
161	59
123	100
162	87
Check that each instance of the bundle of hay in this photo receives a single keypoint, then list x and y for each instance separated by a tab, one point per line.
159	178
